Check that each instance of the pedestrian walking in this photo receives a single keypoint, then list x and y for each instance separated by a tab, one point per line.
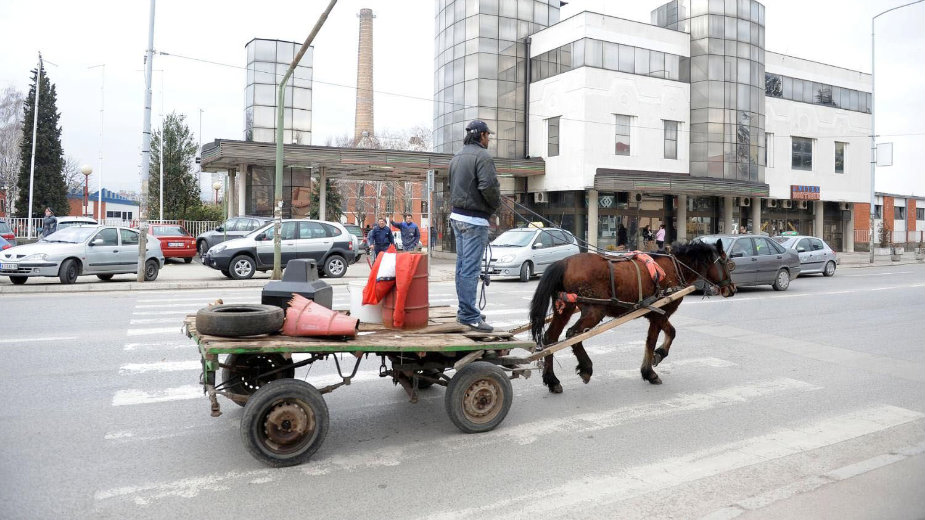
475	195
660	237
380	238
49	223
410	234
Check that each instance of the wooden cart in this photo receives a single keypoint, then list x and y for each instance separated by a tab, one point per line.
286	419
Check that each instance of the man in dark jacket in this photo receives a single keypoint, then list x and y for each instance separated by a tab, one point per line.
380	238
410	234
474	194
49	223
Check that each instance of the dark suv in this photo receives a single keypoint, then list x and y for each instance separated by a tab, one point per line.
235	227
328	243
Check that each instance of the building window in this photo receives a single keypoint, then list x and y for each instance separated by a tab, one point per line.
840	157
552	137
671	139
802	153
899	213
769	150
622	134
919	213
878	211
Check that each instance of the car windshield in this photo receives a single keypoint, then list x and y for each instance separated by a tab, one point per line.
71	235
168	231
514	238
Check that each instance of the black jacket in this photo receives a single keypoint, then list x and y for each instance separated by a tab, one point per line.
380	238
474	187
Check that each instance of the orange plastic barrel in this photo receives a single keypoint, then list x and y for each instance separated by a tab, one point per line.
416	304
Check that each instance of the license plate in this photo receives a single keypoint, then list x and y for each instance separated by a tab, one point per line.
175	244
9	267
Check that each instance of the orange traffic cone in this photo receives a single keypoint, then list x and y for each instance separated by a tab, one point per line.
307	318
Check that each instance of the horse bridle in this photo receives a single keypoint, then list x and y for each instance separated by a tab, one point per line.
727	266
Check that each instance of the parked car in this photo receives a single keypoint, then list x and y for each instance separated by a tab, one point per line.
524	252
362	247
4	245
815	255
758	260
232	228
66	222
81	250
327	242
176	242
6	232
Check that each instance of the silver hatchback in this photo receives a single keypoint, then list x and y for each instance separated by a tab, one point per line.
815	255
525	252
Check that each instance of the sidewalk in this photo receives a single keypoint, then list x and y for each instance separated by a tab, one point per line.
177	275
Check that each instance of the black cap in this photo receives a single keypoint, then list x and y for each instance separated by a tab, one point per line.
478	126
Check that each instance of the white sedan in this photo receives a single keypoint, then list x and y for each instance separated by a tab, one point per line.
82	250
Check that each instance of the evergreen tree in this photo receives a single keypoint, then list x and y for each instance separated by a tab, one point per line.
181	189
334	205
48	187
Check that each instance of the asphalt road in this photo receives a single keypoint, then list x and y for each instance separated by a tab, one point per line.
804	404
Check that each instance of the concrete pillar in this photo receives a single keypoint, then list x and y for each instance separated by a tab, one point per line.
230	190
849	231
241	192
728	225
682	217
322	193
592	217
817	218
756	214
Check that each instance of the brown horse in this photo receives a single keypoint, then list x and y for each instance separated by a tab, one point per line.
597	281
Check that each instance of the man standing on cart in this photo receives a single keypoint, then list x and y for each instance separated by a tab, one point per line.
475	195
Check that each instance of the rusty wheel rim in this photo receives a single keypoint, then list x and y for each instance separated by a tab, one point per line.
483	401
288	426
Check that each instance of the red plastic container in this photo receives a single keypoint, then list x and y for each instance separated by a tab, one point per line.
417	303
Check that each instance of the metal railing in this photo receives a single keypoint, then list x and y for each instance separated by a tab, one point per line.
20	225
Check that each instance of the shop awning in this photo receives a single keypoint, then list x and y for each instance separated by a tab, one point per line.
674	183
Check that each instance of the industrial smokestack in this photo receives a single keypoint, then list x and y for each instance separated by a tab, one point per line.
363	124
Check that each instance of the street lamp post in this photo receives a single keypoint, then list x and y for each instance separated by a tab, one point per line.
86	170
217	185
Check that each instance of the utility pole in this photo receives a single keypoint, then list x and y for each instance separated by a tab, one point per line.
35	126
145	151
99	202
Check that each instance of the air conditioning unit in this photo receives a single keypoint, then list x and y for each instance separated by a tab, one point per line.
745	202
843	206
803	204
786	204
772	203
540	197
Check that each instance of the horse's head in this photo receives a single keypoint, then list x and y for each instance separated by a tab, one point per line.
709	263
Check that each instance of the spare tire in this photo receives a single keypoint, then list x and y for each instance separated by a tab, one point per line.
241	319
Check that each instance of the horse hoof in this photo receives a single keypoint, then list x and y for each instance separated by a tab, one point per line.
656	380
556	389
656	359
585	377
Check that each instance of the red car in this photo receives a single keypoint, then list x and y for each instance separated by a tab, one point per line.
176	242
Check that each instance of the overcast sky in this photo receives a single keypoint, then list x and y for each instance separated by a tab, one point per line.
74	36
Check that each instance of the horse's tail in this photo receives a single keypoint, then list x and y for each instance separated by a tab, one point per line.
550	284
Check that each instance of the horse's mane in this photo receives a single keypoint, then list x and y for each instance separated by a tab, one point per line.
695	252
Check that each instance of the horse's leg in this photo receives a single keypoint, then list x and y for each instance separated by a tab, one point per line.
591	315
552	335
647	373
662	351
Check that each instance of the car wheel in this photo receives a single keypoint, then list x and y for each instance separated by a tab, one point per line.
151	269
202	247
781	281
242	267
226	273
335	266
69	271
104	276
526	271
829	269
188	260
18	280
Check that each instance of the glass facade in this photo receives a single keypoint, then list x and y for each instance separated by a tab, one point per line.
267	62
727	84
480	69
588	52
805	91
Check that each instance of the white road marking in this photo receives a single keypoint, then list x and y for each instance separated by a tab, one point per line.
133	397
158	345
37	339
163	366
674	471
149	321
148	332
202	300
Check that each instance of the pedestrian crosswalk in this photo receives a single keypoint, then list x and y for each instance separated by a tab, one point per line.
704	383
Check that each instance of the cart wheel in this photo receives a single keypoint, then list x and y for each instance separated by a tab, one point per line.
242	375
478	397
284	423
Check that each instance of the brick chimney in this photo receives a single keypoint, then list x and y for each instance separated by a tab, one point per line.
364	109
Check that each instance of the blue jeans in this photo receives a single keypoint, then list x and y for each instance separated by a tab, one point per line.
470	246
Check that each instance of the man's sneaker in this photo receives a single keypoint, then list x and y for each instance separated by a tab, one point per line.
479	326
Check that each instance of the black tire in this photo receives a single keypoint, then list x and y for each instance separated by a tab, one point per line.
241	319
104	276
526	271
781	280
829	269
226	273
478	397
242	267
284	423
69	271
335	266
202	247
243	373
18	280
152	268
188	260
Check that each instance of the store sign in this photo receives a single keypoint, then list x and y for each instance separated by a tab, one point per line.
800	192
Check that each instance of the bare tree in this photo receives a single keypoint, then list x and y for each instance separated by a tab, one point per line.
73	177
11	114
